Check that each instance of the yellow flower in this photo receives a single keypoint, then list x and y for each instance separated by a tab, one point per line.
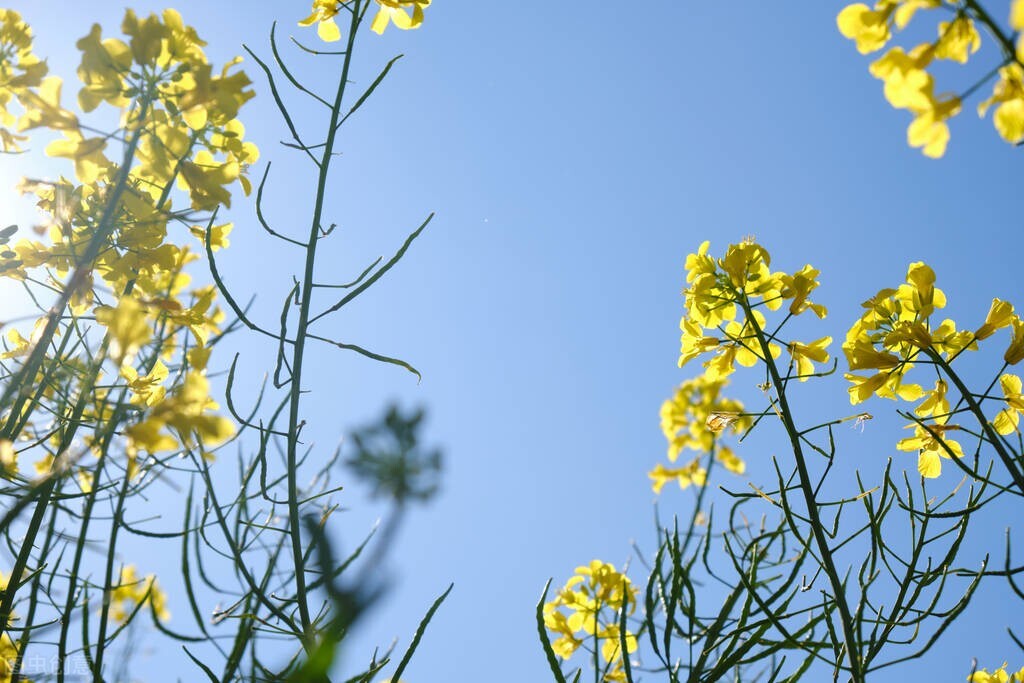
43	110
86	479
127	326
148	389
205	177
188	412
130	590
1000	675
861	354
744	348
201	318
894	329
957	40
929	129
87	153
798	287
746	264
1015	353
693	342
606	584
699	263
611	647
198	357
930	448
1000	315
707	304
935	402
565	645
17	345
20	70
880	383
1007	420
8	656
908	8
691	473
218	235
8	458
869	28
617	674
907	84
805	355
945	338
1008	94
920	295
16	46
556	621
105	63
949	341
730	460
394	11
1017	15
595	598
324	12
684	417
146	36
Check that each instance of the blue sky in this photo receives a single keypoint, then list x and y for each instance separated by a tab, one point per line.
574	155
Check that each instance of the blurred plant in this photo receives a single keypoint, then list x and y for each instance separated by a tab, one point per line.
389	458
910	85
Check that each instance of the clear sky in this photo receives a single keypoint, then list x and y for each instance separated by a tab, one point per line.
574	154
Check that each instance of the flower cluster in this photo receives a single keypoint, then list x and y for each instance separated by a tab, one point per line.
896	331
1000	675
908	83
692	419
893	330
130	592
588	608
20	72
404	14
723	301
106	238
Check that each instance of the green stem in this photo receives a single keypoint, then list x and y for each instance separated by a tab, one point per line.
807	488
301	334
101	646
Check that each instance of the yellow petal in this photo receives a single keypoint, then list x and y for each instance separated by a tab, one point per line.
1009	120
380	22
328	31
195	118
1017	15
928	464
1006	421
401	19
